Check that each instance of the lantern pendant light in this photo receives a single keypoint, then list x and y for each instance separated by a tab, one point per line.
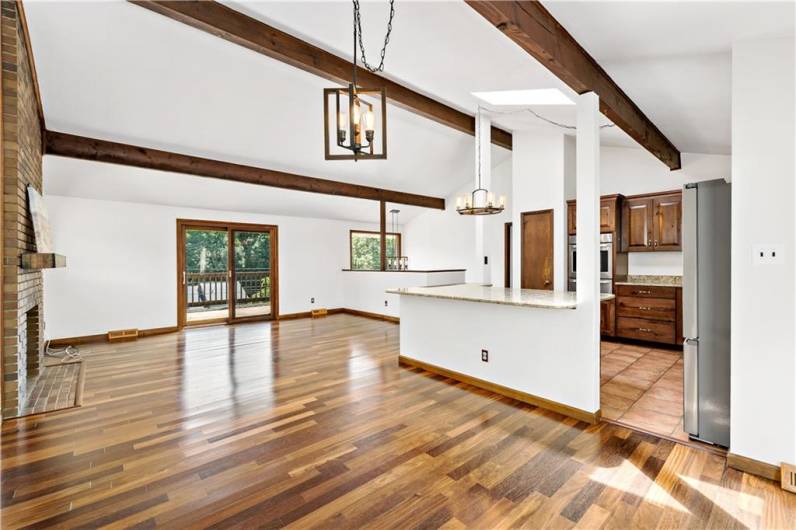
349	112
481	201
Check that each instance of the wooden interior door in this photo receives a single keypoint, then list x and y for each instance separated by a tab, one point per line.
537	250
507	255
638	220
667	225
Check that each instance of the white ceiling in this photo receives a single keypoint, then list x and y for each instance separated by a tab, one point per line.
673	57
116	71
79	178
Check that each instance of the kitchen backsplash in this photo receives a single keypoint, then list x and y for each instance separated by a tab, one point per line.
655	263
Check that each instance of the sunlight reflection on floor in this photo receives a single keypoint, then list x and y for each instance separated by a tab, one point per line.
745	508
628	478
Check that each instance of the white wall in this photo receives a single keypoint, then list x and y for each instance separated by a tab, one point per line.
365	290
121	263
763	409
446	240
538	184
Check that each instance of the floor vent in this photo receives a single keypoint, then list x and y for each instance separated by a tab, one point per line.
120	335
316	313
789	477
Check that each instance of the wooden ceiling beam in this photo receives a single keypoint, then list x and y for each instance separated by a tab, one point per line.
231	25
69	145
535	30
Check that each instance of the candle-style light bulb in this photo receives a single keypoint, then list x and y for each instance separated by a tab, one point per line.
370	120
458	203
502	201
490	199
341	121
356	113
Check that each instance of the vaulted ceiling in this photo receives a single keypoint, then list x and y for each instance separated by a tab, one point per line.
116	71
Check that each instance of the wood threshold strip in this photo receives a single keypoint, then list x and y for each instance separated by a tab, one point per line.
81	147
535	30
243	30
566	410
754	467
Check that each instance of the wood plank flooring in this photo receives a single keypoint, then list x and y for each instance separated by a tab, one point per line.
312	424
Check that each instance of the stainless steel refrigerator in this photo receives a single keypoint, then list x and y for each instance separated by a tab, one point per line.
706	311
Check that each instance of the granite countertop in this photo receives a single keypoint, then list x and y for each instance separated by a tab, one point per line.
651	281
472	292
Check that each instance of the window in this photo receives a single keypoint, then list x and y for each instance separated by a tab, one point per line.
366	249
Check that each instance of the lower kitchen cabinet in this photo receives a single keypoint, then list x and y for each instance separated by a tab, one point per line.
650	313
608	318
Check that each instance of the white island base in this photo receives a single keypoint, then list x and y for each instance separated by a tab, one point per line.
538	348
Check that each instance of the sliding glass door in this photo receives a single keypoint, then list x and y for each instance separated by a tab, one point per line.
251	273
227	272
206	275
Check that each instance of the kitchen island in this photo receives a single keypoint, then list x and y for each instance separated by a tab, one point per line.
531	345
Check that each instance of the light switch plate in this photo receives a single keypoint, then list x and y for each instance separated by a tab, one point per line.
768	254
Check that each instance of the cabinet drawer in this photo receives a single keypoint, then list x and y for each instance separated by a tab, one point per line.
643	329
646	291
650	308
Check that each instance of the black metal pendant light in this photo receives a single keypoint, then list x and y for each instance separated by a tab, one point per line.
480	201
350	121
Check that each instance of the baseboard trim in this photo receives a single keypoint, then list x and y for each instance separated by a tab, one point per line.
754	467
103	337
368	314
566	410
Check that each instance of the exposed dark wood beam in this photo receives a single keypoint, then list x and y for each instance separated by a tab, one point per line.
72	146
535	30
251	33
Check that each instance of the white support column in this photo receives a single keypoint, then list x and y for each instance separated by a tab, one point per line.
483	151
588	228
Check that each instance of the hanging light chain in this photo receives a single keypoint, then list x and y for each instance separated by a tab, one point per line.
358	35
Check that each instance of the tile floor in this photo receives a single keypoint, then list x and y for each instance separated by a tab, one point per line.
643	387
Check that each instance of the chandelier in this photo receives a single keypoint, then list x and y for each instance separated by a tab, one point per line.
349	115
480	201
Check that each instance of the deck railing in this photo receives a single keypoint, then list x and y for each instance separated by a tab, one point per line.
206	289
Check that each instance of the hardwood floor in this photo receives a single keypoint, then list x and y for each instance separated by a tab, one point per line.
311	423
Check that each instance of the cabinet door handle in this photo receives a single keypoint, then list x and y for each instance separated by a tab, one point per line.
642	292
645	330
645	308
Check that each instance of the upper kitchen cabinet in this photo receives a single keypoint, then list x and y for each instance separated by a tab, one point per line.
668	211
609	208
652	222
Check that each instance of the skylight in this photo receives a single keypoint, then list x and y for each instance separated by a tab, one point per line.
541	96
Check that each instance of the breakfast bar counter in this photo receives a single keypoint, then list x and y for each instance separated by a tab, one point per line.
488	294
540	347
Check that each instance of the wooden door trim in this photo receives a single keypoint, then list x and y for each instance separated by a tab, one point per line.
552	213
507	228
229	227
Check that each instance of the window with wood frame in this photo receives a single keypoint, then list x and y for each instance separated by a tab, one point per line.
365	249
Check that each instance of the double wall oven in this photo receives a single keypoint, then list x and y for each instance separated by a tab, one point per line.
606	262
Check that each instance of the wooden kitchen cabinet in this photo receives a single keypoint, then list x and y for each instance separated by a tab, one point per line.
667	226
571	218
650	313
608	318
609	207
637	225
652	222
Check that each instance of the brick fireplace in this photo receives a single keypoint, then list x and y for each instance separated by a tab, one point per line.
22	322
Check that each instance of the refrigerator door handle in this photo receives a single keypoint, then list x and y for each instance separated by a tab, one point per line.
691	386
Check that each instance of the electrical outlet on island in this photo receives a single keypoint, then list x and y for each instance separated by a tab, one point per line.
312	300
485	355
